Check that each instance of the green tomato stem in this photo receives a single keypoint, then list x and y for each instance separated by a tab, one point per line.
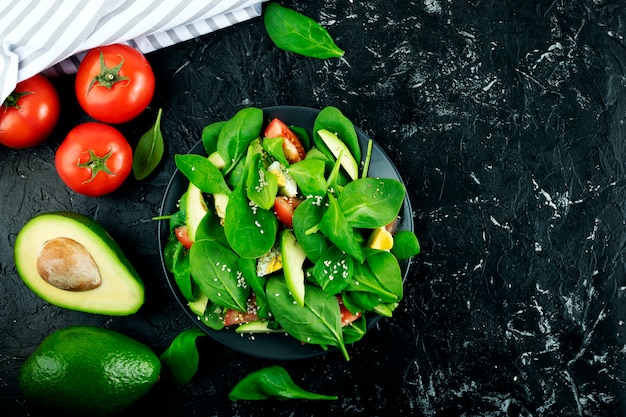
96	164
108	76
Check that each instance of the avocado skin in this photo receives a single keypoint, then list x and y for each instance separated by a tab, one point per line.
88	371
127	299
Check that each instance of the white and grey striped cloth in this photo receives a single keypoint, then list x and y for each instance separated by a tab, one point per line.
51	36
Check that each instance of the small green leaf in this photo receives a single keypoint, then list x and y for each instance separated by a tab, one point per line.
405	245
294	32
149	150
272	382
181	357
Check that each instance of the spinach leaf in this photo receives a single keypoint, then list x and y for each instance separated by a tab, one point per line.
261	185
333	270
272	382
379	275
405	245
309	175
371	202
333	120
387	270
211	229
274	147
202	173
237	134
213	316
294	32
210	133
354	331
359	301
308	215
250	230
318	321
149	150
336	228
181	358
215	269
303	135
257	284
182	272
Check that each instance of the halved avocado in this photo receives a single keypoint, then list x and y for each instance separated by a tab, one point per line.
70	260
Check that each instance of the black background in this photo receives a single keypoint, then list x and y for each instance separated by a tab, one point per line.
506	120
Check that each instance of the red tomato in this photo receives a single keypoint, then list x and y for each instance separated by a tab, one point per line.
30	113
114	83
237	317
284	207
346	315
183	236
94	159
294	151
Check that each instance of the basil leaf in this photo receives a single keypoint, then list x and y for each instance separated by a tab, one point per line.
318	321
336	228
294	32
371	202
202	173
215	269
272	382
149	150
181	357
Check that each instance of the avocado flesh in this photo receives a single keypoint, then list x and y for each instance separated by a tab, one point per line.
196	210
121	291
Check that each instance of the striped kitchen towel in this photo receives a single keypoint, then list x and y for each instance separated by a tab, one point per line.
52	36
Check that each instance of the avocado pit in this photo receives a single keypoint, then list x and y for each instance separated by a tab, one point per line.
66	264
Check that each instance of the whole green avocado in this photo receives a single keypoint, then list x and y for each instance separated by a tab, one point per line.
88	371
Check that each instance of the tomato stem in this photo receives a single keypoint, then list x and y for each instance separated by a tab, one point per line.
108	76
13	98
96	164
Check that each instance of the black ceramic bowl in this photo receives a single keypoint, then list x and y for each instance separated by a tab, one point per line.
277	346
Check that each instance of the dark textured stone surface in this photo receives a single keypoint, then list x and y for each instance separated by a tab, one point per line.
506	120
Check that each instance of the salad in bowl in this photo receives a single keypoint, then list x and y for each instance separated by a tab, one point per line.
287	231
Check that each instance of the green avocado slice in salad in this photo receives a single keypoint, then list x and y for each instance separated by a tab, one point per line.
281	230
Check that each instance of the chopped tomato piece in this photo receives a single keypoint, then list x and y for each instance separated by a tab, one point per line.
284	207
347	316
294	151
233	316
183	236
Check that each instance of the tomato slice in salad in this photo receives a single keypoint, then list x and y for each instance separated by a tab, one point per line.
294	151
347	316
232	316
284	207
183	236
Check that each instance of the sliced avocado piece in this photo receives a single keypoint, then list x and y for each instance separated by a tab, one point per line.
53	248
293	258
196	210
339	149
217	160
257	326
220	201
198	306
